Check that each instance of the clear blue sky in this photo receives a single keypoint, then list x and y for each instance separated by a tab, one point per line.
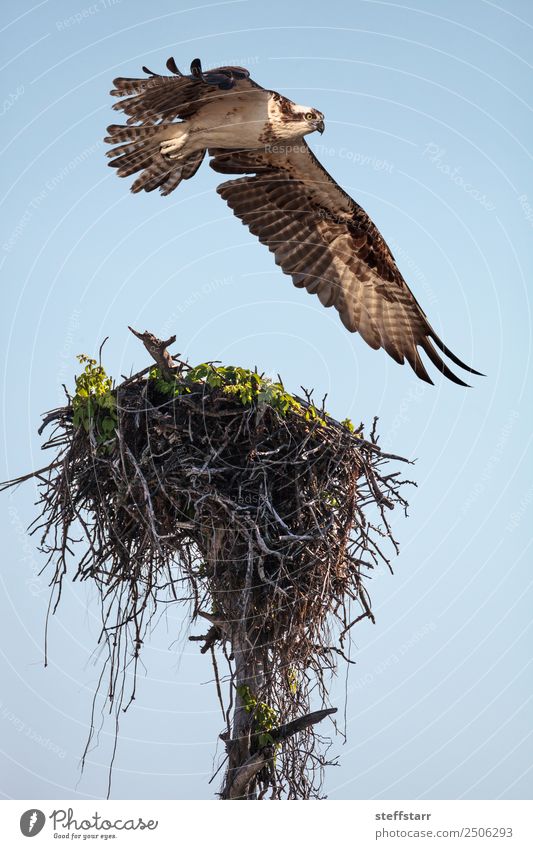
428	126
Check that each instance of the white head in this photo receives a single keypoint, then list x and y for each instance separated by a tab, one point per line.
291	120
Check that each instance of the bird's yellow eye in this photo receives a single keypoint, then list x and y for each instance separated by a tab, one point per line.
309	116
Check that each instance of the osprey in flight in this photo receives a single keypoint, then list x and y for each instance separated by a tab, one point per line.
317	233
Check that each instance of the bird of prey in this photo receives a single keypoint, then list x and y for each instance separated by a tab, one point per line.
318	234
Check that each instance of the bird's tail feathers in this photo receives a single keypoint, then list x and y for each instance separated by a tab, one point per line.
139	150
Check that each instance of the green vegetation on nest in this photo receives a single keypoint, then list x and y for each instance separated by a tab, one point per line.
242	384
265	717
93	404
292	678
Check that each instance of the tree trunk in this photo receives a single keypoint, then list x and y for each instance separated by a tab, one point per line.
244	760
248	761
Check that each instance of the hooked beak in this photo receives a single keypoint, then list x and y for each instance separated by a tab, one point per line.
320	126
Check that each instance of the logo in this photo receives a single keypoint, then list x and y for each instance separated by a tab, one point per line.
32	822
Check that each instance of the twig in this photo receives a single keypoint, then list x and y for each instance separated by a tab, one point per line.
157	348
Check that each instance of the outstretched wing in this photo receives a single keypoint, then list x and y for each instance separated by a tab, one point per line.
328	244
159	98
152	105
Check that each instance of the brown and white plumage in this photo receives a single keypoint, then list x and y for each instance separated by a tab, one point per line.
318	234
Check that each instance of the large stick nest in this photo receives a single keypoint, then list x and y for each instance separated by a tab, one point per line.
266	519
